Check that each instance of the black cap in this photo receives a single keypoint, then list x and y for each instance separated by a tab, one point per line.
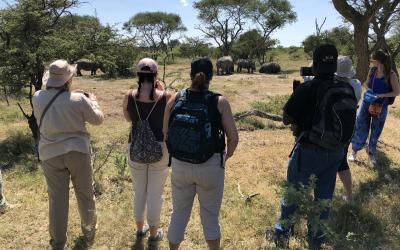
202	64
325	59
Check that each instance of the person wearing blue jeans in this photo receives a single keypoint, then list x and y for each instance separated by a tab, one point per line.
365	123
383	85
302	165
309	157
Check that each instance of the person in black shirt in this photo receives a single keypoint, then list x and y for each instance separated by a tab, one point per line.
309	159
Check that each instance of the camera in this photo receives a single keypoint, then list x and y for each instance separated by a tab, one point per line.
306	71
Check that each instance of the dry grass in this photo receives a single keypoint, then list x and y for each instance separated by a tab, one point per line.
259	165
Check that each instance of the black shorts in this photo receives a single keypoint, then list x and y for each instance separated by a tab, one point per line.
344	165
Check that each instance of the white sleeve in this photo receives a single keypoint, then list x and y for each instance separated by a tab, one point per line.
91	111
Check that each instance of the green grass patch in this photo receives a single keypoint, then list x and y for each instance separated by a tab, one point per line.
396	113
250	123
273	104
18	148
11	113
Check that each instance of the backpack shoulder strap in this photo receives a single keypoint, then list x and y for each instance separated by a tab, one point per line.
154	105
136	107
320	89
210	96
180	95
48	106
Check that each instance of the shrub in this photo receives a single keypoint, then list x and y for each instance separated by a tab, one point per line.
273	104
17	147
251	123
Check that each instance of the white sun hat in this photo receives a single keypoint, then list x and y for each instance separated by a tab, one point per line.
60	72
345	67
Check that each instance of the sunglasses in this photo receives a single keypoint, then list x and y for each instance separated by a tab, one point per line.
372	60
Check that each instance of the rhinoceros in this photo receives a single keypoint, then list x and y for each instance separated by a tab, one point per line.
270	68
84	64
248	64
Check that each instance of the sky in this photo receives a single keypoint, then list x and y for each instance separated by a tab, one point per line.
120	11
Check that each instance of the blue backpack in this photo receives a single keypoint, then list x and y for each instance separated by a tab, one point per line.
195	130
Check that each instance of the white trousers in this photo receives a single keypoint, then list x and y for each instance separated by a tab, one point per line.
148	186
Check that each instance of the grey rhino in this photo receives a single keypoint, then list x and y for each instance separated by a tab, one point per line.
248	64
225	65
85	64
270	68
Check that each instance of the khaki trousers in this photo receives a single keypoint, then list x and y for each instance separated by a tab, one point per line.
205	180
2	198
58	172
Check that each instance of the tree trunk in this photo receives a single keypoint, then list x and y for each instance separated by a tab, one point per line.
6	95
38	78
225	49
362	50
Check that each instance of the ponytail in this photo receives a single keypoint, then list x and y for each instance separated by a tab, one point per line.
200	81
388	66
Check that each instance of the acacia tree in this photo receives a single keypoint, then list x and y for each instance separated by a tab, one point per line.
360	13
155	30
270	15
87	37
251	44
222	21
194	47
383	22
25	26
341	37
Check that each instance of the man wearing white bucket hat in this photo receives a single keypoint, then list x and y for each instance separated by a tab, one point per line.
345	72
64	148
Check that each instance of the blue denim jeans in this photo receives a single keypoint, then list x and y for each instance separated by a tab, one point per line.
307	161
366	123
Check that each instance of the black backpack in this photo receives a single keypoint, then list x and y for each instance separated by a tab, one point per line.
335	115
195	130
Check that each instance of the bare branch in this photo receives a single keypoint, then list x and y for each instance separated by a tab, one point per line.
242	115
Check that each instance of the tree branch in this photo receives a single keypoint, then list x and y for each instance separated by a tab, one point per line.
242	115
